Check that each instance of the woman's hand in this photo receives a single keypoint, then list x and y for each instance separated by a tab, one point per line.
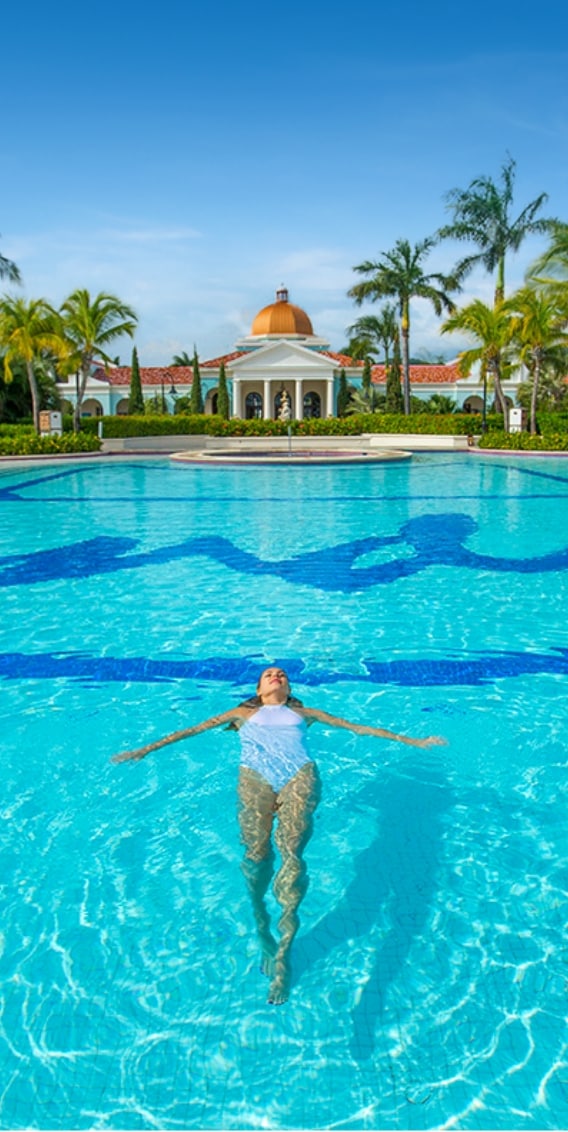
127	756
430	741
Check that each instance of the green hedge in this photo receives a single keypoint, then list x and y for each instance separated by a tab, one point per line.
463	424
88	424
17	429
552	422
524	442
30	444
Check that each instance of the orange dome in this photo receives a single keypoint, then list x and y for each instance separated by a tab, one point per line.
282	318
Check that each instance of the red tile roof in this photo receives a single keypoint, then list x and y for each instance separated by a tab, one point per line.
183	375
214	363
342	359
149	375
421	375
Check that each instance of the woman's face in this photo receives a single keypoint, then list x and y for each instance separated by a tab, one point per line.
273	683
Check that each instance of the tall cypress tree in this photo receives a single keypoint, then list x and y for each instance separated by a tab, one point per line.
394	402
135	398
223	394
343	394
196	396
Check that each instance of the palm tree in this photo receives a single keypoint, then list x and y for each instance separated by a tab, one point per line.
88	325
538	323
378	332
482	216
399	274
26	331
182	359
492	328
554	261
9	271
439	403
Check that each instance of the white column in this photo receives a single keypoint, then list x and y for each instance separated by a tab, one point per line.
299	406
329	407
236	397
267	401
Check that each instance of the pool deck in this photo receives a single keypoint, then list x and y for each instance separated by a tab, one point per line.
312	450
369	445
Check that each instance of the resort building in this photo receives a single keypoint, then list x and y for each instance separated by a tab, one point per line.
281	353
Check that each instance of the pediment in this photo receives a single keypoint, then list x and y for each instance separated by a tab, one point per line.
282	355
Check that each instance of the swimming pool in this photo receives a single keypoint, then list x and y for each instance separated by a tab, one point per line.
430	970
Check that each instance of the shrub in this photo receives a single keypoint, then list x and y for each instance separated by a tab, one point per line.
193	424
524	442
17	429
88	424
552	422
30	444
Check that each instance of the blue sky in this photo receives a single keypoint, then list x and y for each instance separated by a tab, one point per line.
190	158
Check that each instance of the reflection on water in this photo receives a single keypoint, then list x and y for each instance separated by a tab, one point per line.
431	966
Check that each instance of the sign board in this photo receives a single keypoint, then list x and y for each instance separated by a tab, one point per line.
517	420
50	423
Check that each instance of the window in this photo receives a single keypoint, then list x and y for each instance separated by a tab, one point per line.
253	407
312	405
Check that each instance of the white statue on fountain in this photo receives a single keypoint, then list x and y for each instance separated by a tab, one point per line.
285	411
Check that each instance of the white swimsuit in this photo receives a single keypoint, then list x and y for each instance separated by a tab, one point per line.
273	743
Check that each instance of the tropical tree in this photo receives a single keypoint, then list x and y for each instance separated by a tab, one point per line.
182	359
196	396
358	349
394	402
551	268
9	271
552	390
88	325
156	405
223	394
440	403
399	274
26	333
377	332
482	216
539	320
15	395
491	328
366	377
136	398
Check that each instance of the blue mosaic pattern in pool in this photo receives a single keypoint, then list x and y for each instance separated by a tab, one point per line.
431	967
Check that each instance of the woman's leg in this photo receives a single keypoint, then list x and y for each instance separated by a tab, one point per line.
296	804
256	815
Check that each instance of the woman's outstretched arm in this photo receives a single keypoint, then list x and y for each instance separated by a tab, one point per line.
363	729
206	725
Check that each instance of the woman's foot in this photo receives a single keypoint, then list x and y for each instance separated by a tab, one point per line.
280	986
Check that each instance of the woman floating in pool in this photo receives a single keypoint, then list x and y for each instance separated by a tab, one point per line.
277	780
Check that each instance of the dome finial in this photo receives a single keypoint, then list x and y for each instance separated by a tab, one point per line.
282	294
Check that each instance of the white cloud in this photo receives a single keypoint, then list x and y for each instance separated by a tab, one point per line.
149	235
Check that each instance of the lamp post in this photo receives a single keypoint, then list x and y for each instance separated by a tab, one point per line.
172	392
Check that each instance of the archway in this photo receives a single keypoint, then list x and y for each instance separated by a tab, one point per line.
212	401
253	407
473	404
312	405
91	408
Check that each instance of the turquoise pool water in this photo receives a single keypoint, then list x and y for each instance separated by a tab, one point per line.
431	966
